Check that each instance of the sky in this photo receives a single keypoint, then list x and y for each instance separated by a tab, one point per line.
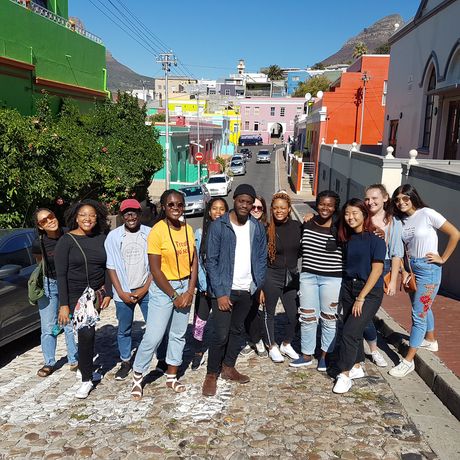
210	36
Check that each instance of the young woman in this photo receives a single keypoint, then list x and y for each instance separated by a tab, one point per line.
362	287
174	267
419	233
281	280
44	247
254	321
320	280
215	208
377	200
80	259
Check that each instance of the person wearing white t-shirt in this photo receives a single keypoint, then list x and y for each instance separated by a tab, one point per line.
419	234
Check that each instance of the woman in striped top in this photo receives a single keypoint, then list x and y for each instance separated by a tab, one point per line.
320	280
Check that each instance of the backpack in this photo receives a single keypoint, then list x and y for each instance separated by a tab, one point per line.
35	287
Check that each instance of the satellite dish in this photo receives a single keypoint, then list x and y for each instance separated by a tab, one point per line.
307	96
319	94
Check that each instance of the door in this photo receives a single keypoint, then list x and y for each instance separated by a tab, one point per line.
452	147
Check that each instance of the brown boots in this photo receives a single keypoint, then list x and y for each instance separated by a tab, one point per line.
210	385
230	373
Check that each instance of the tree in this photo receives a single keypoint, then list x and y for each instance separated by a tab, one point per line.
359	50
158	118
383	49
312	86
318	66
273	72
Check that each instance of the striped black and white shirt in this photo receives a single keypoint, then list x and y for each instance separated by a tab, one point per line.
321	255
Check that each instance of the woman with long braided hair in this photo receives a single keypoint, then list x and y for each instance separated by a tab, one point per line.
282	279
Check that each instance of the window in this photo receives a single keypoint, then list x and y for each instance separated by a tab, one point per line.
246	125
282	111
429	111
227	92
295	78
256	110
299	109
392	138
256	126
385	91
247	110
272	111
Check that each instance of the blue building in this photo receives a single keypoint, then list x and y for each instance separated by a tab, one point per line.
295	77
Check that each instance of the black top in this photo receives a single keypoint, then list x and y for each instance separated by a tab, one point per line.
70	267
50	247
288	236
363	249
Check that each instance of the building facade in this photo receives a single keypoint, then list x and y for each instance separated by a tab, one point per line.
423	108
41	50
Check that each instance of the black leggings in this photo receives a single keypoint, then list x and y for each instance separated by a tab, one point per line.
202	310
86	339
253	323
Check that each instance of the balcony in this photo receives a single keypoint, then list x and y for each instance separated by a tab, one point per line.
69	24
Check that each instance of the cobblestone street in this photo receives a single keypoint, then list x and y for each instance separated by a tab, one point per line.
281	413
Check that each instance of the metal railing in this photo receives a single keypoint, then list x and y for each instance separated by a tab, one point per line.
68	24
308	173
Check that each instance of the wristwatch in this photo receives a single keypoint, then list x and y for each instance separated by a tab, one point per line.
174	296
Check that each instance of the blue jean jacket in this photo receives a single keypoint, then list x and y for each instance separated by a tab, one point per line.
220	255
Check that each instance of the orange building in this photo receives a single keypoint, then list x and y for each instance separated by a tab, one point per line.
354	108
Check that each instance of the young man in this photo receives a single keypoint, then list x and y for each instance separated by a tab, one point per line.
128	266
236	262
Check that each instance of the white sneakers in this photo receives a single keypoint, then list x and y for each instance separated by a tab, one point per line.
288	351
260	348
429	345
356	373
84	390
402	369
275	354
342	384
378	359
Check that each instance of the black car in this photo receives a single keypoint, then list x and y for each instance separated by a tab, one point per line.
246	154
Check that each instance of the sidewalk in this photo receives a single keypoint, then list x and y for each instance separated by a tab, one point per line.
441	370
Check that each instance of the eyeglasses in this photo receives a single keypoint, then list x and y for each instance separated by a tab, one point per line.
257	208
129	214
172	204
403	199
88	216
44	221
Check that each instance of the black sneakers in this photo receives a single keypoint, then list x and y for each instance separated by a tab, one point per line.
197	361
123	371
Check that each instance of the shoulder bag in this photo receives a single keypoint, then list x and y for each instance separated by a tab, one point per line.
35	284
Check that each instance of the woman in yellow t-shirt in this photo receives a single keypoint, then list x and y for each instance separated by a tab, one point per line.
173	264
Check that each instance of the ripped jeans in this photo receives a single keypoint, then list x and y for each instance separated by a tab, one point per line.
428	277
318	298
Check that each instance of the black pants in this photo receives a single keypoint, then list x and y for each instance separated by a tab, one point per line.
254	321
86	339
228	331
202	310
274	289
351	349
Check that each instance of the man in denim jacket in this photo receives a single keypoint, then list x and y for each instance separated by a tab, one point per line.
236	262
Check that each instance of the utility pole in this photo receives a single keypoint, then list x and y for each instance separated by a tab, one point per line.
166	59
365	78
198	132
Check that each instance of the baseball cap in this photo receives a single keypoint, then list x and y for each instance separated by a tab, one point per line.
130	203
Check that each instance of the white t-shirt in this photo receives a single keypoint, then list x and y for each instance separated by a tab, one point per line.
419	232
132	252
242	276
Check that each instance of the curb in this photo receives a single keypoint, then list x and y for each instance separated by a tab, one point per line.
441	380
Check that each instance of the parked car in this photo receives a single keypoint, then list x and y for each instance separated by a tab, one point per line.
250	139
263	156
238	167
17	316
196	198
237	157
219	185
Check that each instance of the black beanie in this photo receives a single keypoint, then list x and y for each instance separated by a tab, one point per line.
244	189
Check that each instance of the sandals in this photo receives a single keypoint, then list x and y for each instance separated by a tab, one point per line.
45	371
174	384
137	390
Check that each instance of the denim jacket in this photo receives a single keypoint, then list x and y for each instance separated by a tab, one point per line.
202	282
220	255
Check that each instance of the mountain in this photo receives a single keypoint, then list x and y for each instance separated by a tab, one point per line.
121	77
373	37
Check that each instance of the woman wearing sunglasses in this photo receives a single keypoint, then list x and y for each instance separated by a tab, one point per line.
43	248
173	264
419	233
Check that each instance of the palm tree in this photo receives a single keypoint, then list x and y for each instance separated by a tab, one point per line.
359	50
274	72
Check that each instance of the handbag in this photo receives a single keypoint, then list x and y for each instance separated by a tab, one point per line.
410	284
35	284
291	277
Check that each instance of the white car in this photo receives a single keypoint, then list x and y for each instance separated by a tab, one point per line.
219	185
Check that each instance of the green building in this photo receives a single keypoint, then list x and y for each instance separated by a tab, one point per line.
41	50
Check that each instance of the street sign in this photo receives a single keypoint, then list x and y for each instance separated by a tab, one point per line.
198	156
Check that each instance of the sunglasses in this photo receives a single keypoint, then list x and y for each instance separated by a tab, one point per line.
44	221
172	205
403	199
258	208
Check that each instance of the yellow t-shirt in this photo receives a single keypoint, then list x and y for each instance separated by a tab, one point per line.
159	243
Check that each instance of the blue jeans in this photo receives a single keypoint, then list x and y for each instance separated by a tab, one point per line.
48	307
428	277
125	316
162	313
318	298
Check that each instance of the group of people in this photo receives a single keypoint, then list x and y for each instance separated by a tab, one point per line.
236	267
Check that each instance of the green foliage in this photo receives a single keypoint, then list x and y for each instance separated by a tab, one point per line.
312	86
359	50
383	49
318	66
222	162
158	118
273	72
106	154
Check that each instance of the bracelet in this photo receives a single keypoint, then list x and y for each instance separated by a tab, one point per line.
360	300
174	296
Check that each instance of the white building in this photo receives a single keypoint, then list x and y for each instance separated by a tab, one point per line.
423	101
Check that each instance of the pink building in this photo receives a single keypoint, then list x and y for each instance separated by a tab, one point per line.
271	118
